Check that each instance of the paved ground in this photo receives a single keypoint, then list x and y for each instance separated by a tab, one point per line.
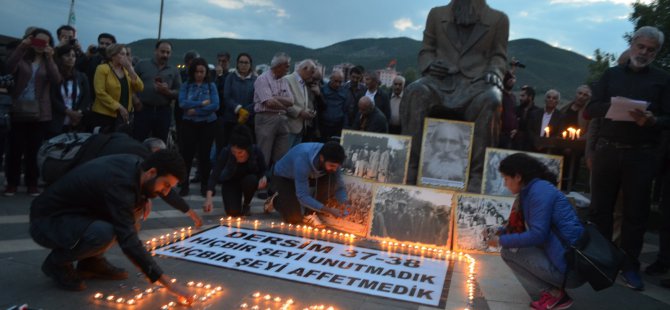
496	288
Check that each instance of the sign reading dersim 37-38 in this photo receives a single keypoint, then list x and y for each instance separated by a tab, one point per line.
392	275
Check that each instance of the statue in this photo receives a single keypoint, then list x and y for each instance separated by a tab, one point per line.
463	60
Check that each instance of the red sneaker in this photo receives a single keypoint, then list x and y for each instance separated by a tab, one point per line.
550	302
9	191
33	191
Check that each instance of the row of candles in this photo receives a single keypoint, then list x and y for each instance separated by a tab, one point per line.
388	245
210	292
568	134
263	301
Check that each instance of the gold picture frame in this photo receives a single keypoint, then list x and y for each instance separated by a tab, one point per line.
361	144
492	181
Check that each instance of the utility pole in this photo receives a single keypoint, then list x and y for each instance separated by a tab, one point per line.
160	21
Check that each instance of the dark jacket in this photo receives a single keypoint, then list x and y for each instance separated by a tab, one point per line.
546	211
535	124
106	189
225	166
83	103
237	91
376	122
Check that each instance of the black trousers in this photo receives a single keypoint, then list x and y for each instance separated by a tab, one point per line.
287	203
24	140
632	171
197	137
235	190
98	237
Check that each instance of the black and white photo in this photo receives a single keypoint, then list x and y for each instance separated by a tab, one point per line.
445	153
359	194
379	157
478	218
412	214
493	183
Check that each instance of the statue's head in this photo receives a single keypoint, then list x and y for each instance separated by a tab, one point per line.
468	12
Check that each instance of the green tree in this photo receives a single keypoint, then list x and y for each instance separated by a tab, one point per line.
601	61
655	14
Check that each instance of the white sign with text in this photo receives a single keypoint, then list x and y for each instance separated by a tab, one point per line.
392	275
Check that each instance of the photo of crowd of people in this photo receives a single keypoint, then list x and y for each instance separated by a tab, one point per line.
445	153
379	157
412	214
478	218
359	192
493	183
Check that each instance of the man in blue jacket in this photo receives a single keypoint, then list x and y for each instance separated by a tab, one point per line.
305	163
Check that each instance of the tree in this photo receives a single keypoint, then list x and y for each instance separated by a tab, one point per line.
655	14
601	61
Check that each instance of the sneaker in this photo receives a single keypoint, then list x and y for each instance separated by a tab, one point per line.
313	220
9	191
548	301
269	204
64	275
633	280
100	268
656	269
33	191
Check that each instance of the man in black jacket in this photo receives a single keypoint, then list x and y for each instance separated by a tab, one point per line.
369	117
82	214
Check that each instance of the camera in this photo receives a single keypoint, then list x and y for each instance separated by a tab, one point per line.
516	63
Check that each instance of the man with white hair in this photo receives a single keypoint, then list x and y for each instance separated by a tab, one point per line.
272	97
369	117
549	117
333	114
302	111
625	151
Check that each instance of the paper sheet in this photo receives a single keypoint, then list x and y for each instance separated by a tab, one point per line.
620	106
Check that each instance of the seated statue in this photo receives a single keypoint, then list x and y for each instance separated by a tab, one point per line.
463	60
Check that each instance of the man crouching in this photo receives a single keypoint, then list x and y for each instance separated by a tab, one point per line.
82	214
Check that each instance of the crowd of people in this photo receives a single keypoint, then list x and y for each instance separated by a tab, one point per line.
273	130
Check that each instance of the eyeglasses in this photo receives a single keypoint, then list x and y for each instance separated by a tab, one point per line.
243	62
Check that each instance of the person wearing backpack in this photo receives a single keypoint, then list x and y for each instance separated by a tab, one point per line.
537	255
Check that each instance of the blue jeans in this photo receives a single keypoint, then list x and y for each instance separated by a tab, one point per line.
535	272
95	241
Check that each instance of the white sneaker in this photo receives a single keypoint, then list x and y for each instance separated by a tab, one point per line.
268	206
313	220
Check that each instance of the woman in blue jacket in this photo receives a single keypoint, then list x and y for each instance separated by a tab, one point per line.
199	100
537	255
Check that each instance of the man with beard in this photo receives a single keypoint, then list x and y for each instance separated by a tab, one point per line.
82	214
526	108
573	113
308	163
463	59
447	157
625	151
161	86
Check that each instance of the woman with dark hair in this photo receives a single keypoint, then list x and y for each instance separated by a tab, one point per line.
70	99
114	83
34	71
199	100
537	255
240	169
238	96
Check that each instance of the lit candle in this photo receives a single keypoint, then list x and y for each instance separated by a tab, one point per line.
565	134
578	133
546	131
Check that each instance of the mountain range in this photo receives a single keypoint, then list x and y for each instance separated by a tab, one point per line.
546	66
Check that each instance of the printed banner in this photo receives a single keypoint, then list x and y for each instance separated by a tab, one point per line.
392	275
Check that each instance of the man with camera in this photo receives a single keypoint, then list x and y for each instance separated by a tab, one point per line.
92	58
161	86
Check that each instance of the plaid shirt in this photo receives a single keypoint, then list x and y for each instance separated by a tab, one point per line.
266	87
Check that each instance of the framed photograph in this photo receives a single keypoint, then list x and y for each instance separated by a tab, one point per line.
412	214
359	193
379	157
493	183
446	147
477	218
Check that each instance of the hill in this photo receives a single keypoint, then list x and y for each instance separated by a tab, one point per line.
546	66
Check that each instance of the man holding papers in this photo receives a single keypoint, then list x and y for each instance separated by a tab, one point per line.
634	99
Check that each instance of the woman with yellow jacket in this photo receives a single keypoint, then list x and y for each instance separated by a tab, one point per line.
115	82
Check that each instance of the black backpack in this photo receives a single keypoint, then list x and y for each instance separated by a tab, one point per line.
61	153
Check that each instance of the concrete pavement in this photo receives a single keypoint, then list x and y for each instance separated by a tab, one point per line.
495	286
